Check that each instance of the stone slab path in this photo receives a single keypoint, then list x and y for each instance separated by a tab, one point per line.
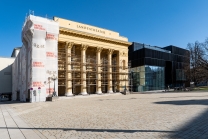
12	126
176	115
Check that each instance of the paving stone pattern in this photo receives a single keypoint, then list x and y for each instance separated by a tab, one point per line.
135	116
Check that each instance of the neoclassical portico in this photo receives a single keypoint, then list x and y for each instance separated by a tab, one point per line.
92	60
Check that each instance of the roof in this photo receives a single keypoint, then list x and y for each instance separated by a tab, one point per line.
7	57
16	48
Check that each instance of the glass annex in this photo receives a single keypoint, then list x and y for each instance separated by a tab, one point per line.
155	68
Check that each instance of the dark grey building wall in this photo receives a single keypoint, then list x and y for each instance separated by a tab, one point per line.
170	57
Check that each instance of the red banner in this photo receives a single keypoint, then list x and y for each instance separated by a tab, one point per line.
39	27
38	64
37	84
50	37
50	54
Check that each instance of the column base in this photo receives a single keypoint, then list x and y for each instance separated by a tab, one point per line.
84	93
69	94
110	92
99	92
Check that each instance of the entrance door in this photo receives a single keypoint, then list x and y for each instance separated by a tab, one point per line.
18	96
28	95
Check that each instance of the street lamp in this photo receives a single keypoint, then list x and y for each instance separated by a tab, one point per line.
39	91
49	82
54	79
125	85
31	89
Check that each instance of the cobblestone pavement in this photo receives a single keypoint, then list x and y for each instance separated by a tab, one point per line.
135	116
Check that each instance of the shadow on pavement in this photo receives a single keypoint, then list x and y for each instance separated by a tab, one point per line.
117	99
185	102
171	92
197	127
184	96
90	130
12	102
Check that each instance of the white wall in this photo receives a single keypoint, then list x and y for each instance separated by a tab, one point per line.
6	74
17	52
37	60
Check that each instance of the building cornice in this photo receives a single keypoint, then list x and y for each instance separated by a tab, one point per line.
71	32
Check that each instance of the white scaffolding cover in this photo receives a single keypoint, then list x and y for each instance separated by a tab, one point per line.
37	60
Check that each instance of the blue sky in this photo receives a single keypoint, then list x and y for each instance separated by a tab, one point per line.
153	22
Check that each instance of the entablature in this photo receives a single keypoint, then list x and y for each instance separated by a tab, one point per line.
71	32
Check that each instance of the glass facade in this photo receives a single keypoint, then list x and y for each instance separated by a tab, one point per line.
180	75
164	66
147	78
138	46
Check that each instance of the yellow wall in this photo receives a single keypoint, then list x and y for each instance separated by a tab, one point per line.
89	29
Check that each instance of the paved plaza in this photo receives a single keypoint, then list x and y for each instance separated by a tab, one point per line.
136	116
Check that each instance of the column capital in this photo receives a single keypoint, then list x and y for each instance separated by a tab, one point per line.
69	45
99	49
110	51
84	47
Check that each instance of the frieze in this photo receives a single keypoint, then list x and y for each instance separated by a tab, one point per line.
91	28
97	38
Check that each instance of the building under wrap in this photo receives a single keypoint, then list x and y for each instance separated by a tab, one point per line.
36	61
84	58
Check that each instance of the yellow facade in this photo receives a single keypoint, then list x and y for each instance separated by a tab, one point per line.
90	59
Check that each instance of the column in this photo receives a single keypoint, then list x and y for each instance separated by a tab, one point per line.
68	48
98	81
83	69
110	90
119	77
126	72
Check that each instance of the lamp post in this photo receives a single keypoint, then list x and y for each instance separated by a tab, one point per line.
49	82
31	94
39	91
54	79
125	85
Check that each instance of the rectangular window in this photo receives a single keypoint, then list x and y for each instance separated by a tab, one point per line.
7	73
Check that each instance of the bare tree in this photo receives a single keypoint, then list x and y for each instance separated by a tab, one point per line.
203	58
198	61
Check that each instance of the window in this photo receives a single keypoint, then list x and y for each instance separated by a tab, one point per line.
124	65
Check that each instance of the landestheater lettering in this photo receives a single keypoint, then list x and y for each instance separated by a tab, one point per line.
91	29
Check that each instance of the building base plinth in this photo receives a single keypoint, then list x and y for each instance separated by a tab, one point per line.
99	92
84	93
110	92
126	92
69	94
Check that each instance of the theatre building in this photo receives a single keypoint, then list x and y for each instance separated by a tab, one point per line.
68	58
156	68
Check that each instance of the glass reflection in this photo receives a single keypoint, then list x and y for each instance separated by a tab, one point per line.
147	78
